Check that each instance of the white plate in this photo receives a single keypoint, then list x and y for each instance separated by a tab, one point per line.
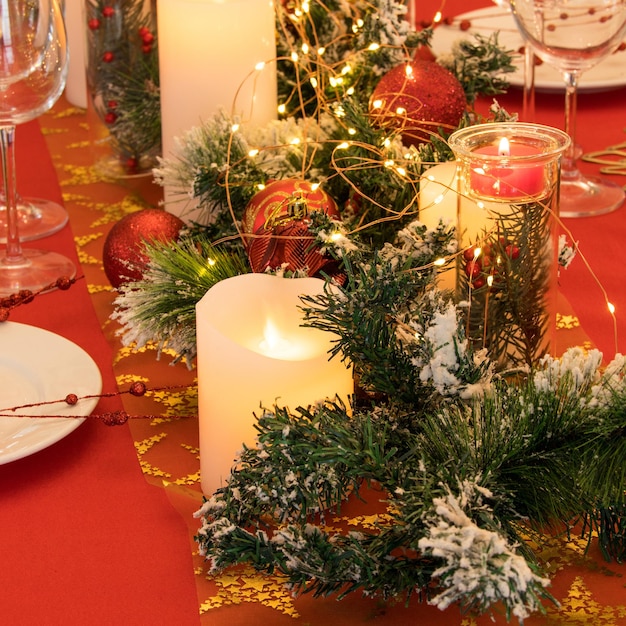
38	366
608	74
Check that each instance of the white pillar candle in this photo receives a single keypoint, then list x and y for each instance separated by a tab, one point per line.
76	85
438	199
209	52
253	352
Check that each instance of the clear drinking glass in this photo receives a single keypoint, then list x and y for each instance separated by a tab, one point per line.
38	217
33	69
573	36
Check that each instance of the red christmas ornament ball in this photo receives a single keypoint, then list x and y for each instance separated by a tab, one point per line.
418	98
278	217
123	254
277	198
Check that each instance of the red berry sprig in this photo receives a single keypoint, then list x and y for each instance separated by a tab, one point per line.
482	263
147	39
26	296
112	418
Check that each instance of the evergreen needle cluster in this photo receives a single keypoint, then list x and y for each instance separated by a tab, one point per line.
470	463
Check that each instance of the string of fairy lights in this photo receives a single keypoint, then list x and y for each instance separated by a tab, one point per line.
298	16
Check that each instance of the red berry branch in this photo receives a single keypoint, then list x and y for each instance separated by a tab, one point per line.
26	296
112	418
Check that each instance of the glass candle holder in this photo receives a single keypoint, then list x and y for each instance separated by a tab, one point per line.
507	205
123	104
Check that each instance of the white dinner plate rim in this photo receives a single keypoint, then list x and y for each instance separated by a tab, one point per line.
598	78
57	366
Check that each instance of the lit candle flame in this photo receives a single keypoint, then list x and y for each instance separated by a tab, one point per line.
273	343
504	149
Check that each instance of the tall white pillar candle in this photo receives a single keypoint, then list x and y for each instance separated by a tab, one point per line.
209	52
438	199
253	352
76	84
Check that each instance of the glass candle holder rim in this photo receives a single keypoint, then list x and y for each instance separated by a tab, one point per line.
551	141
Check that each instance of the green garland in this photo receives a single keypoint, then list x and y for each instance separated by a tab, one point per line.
471	463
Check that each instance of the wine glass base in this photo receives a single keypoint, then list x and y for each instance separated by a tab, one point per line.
588	196
38	270
37	217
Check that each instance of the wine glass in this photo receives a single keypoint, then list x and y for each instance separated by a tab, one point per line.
33	68
574	35
38	217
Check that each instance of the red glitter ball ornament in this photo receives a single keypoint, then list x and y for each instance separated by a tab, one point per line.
418	98
278	217
123	254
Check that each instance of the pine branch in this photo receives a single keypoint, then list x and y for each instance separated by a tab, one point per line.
161	306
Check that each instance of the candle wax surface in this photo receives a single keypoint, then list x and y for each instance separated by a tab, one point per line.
514	178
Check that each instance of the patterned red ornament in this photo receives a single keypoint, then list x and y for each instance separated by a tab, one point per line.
277	216
123	256
418	98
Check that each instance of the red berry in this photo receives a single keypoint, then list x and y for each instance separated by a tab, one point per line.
131	164
108	57
143	30
116	418
108	11
4	313
146	48
64	283
110	118
468	254
487	261
512	251
147	38
473	269
94	24
112	104
137	389
479	282
27	296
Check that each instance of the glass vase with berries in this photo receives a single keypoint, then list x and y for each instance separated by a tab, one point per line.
123	85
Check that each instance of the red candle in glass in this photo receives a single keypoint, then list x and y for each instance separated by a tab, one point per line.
515	176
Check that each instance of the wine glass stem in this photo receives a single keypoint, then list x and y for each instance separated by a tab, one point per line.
568	167
14	254
528	105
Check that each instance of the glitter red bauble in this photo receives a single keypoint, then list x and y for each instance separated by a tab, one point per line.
276	198
418	98
277	217
123	254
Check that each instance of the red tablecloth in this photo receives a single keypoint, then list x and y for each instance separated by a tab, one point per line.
84	539
97	529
